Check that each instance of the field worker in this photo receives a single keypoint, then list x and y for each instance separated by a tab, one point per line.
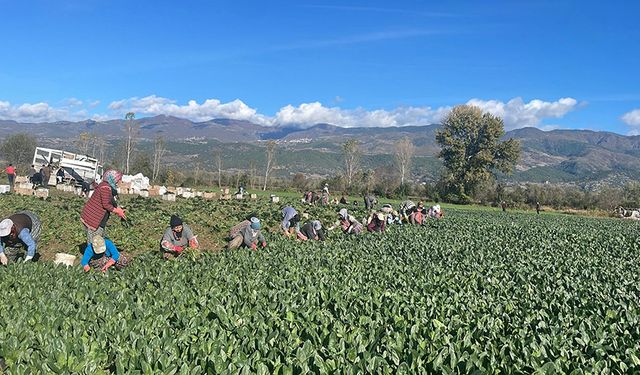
436	212
312	230
177	237
247	233
376	222
99	207
46	174
290	222
11	176
343	200
59	176
348	223
406	208
18	231
31	172
394	218
325	189
418	214
102	260
370	201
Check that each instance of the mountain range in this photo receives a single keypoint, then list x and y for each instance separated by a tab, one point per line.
569	156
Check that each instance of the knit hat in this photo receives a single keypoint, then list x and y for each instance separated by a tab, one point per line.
5	227
316	224
175	221
255	223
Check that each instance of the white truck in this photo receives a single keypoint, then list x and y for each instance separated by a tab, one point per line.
80	168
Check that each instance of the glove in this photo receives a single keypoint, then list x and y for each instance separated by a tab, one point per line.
86	268
253	246
27	258
178	249
3	259
264	244
109	263
120	212
193	243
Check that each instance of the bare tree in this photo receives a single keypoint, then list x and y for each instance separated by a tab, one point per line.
83	141
159	149
218	159
404	153
196	174
252	174
101	148
351	152
131	138
271	159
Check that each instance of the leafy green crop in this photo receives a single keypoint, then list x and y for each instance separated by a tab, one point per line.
477	292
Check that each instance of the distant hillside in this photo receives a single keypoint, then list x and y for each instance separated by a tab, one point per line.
578	156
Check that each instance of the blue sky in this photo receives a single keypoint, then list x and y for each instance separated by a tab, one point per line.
549	64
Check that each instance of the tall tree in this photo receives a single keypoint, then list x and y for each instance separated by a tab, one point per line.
472	150
159	149
352	154
83	141
252	174
404	154
18	149
217	155
270	153
131	138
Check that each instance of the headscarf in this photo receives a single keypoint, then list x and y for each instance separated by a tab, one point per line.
112	177
343	213
316	224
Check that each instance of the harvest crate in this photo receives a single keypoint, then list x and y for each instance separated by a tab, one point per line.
21	179
275	199
23	191
42	193
207	195
225	197
253	196
144	193
169	197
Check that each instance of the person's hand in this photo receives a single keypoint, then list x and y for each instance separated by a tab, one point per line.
109	263
264	244
193	243
120	212
253	246
3	259
86	268
178	249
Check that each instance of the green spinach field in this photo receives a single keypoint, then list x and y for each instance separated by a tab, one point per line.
477	292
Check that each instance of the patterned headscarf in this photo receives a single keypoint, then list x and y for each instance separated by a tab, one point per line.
112	177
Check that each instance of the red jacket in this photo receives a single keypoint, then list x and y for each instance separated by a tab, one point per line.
11	170
98	206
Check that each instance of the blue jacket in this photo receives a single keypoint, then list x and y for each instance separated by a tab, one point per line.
25	237
89	254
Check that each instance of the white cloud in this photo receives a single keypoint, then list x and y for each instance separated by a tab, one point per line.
209	109
72	102
308	114
518	114
515	112
38	112
632	119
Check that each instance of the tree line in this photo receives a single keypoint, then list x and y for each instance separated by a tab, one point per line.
472	151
